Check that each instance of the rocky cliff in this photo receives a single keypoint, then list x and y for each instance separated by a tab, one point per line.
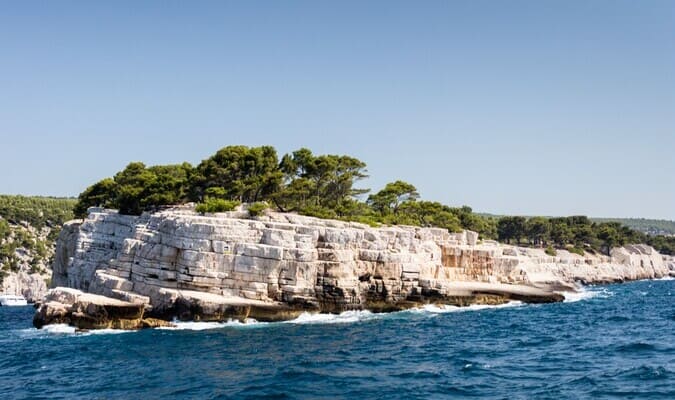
181	264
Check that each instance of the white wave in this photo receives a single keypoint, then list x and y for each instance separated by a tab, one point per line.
666	278
64	329
586	293
441	308
59	329
304	318
202	326
342	318
346	317
106	332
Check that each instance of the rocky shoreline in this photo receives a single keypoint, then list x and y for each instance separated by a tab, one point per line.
117	271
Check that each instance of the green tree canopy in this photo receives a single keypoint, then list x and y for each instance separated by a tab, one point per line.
137	188
538	230
322	186
392	196
246	174
103	193
318	182
511	228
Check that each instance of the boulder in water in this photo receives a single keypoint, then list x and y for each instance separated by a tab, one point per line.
90	311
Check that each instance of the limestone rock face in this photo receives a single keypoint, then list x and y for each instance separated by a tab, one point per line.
180	264
64	252
90	311
32	286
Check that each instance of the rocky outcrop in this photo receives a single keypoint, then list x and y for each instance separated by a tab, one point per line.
534	267
180	264
91	311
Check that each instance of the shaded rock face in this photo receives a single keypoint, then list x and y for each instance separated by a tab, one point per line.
90	311
178	263
65	250
32	286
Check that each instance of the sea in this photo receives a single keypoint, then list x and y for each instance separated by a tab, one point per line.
606	342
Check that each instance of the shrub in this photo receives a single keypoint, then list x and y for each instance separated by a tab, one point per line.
53	234
576	250
318	212
216	205
257	208
363	219
35	267
551	251
14	264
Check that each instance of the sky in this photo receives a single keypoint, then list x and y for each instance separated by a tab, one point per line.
510	107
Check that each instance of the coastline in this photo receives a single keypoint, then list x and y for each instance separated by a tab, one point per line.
179	264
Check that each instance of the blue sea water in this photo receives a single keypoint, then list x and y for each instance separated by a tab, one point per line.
615	341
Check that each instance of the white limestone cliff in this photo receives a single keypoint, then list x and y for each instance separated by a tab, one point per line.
179	263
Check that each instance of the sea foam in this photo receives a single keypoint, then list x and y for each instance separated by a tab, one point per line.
202	326
586	293
345	317
441	309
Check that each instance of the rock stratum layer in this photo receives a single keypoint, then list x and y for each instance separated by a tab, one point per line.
178	264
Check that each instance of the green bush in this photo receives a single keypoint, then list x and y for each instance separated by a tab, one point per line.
3	275
216	205
257	208
551	251
4	229
53	234
576	250
35	266
13	263
318	212
363	219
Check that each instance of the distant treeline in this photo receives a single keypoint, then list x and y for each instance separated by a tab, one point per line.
325	186
36	211
644	225
577	234
649	226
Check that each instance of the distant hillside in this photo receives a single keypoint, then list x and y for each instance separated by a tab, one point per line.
644	225
29	227
37	211
648	226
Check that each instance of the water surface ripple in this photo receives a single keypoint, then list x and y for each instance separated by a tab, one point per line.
615	341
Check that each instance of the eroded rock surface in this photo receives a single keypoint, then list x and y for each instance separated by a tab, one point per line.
180	264
91	311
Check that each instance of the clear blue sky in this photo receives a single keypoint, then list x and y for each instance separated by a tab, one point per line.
514	107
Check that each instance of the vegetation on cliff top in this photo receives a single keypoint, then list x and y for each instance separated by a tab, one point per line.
645	225
326	186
